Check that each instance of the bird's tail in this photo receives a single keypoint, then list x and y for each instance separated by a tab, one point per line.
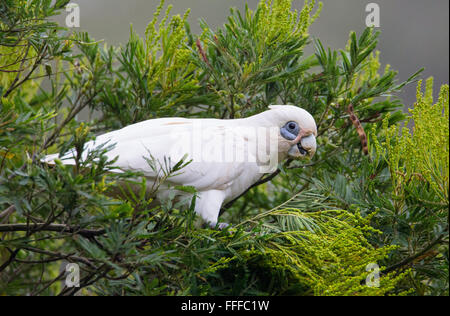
50	159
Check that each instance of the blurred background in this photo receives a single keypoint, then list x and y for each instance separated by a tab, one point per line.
414	33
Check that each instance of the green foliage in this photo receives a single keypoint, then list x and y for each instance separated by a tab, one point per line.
154	77
244	62
418	164
320	253
284	252
28	39
312	230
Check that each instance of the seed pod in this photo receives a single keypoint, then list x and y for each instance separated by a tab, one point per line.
362	134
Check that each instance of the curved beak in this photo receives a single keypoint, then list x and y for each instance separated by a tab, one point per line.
306	147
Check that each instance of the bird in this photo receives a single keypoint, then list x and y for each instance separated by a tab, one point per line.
224	157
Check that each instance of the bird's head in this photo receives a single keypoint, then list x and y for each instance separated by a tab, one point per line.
297	131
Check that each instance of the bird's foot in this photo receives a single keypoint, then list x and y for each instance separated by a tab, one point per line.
222	226
218	226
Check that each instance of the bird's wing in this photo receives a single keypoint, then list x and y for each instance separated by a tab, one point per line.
167	141
126	138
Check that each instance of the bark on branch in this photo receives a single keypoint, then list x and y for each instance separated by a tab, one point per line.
359	128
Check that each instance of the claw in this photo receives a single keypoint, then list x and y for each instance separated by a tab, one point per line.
222	226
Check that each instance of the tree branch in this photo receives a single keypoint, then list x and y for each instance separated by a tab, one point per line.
6	213
55	256
410	259
10	260
61	228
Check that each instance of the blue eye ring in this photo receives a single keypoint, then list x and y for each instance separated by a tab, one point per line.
290	130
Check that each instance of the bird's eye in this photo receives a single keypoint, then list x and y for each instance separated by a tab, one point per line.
292	126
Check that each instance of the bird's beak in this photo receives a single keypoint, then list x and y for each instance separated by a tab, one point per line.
305	147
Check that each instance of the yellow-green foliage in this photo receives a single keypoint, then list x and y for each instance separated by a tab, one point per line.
419	156
317	253
279	22
11	59
20	57
428	154
166	54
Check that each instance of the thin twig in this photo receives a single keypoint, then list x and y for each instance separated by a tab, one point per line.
6	213
61	228
58	278
10	259
410	259
15	84
18	74
60	256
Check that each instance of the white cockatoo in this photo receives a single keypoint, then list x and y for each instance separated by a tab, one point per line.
226	156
